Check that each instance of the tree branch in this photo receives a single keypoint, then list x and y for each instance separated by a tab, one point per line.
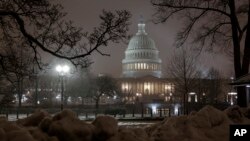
191	7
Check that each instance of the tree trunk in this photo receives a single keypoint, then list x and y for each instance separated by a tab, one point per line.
19	93
97	102
185	104
237	60
242	97
246	57
82	101
236	42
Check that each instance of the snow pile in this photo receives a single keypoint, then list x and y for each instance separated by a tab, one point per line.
22	130
238	115
208	124
34	119
105	127
130	134
67	127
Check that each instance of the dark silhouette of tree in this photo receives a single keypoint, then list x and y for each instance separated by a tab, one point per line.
7	98
80	85
104	85
41	25
213	23
201	87
183	69
214	85
16	67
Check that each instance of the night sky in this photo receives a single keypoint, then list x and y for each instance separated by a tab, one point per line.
84	13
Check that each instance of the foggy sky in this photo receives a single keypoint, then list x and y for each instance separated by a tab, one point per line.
84	13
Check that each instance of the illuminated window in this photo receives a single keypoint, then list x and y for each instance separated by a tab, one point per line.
147	66
146	87
167	88
125	87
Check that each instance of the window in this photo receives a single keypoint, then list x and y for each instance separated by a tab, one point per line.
147	67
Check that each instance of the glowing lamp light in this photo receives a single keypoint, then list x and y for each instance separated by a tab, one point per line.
232	93
62	69
58	68
192	93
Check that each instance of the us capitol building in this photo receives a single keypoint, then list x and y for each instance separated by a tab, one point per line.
141	80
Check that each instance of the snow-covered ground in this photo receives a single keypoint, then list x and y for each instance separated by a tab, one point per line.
208	124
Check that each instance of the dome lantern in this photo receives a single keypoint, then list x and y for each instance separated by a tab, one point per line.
141	28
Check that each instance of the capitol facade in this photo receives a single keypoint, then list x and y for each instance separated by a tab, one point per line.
142	80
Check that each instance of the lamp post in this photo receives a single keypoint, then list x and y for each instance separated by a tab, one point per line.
62	70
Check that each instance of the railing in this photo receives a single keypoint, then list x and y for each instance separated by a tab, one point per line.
119	112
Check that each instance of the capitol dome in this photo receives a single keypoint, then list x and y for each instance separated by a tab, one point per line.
141	56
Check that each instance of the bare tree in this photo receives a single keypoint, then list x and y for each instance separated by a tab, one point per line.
41	25
183	69
104	85
213	23
7	98
214	85
16	67
80	85
201	87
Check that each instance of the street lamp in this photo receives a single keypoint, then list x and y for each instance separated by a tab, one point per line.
62	70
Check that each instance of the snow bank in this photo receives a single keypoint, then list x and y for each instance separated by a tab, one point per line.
208	124
34	119
130	134
238	115
3	135
67	127
65	114
105	127
10	131
38	135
